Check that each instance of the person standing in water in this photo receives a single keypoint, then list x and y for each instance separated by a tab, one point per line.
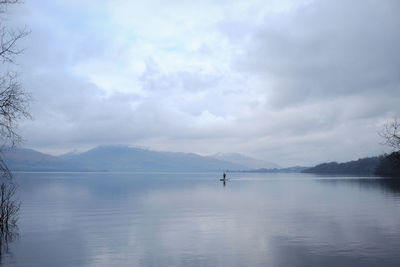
224	175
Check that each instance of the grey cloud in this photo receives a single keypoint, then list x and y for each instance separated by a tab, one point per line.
72	112
327	49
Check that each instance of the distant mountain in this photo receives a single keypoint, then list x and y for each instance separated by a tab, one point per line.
122	158
115	158
249	162
23	159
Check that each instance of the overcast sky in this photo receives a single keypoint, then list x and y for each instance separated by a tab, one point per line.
292	82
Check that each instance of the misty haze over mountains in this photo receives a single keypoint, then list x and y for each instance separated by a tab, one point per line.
123	158
244	160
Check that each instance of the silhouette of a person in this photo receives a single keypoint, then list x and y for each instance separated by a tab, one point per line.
224	175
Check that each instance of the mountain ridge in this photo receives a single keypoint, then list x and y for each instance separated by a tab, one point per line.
115	158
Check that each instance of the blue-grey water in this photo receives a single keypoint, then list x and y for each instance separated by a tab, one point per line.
192	219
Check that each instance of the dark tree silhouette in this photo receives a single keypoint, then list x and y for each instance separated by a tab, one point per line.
390	164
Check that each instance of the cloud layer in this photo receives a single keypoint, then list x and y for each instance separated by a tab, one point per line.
294	82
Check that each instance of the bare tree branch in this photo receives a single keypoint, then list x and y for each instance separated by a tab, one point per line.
8	41
2	2
14	103
391	134
5	3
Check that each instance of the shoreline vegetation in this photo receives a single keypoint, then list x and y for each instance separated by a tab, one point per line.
387	165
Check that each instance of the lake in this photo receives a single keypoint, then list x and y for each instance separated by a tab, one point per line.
192	219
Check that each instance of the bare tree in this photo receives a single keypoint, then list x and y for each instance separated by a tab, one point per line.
13	107
14	104
13	99
391	134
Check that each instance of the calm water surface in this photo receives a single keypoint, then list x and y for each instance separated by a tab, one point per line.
191	219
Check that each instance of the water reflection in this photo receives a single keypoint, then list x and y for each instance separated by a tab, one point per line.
191	220
7	236
386	185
